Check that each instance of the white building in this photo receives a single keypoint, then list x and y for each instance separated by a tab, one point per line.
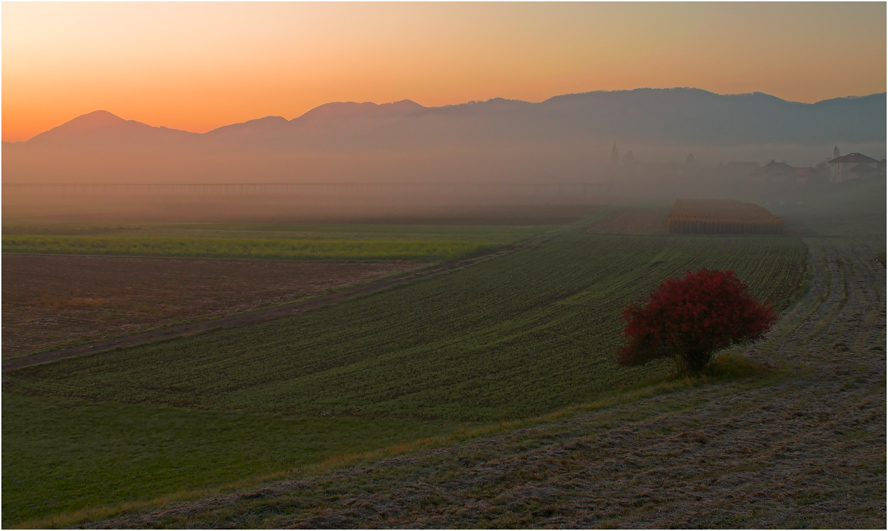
851	166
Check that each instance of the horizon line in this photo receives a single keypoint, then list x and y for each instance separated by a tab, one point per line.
469	102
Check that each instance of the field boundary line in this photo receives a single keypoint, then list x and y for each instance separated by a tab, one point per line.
664	388
269	313
760	428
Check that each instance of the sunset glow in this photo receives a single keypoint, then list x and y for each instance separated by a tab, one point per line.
198	66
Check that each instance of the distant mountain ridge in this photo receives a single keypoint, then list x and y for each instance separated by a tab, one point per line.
101	126
649	106
349	110
495	139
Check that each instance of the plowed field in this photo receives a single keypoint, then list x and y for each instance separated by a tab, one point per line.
54	301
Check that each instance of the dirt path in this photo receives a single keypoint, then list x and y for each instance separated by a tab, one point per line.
807	451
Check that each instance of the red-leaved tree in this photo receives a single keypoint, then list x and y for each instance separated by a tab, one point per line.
692	318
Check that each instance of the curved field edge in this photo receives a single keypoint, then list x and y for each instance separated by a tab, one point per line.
96	448
450	361
267	312
544	320
728	368
803	447
53	303
490	234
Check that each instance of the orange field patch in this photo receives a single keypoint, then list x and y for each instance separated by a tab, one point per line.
721	216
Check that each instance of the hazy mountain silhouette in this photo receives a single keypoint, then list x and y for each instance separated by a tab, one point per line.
260	127
563	138
701	117
104	127
352	110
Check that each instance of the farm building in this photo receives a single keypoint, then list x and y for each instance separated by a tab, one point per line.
852	166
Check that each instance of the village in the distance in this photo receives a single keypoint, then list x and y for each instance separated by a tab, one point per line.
836	169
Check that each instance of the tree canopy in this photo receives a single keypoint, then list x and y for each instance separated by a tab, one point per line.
693	317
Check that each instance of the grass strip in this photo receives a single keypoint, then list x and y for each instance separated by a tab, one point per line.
728	368
92	453
254	249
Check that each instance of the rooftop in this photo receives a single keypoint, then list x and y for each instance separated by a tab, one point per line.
853	158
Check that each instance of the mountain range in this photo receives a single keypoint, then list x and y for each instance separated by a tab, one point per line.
564	138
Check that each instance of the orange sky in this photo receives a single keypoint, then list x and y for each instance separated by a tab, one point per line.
197	66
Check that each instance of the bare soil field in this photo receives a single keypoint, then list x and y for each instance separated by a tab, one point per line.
806	449
633	220
54	301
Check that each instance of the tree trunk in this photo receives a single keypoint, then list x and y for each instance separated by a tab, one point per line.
697	360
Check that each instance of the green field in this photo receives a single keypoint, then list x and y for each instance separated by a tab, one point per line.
491	234
90	453
254	249
322	242
507	338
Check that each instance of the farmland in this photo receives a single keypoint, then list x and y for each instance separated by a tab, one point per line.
55	301
799	448
321	242
258	249
263	241
494	234
446	343
633	219
722	216
801	445
435	357
55	296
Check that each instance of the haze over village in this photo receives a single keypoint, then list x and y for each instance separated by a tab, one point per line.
644	143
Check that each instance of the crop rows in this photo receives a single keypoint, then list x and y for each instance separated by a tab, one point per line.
721	216
261	249
510	337
514	336
496	235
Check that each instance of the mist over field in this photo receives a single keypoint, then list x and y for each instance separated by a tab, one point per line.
564	138
363	158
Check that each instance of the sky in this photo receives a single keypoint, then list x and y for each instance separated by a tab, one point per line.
198	66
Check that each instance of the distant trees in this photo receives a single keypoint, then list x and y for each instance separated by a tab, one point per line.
691	318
